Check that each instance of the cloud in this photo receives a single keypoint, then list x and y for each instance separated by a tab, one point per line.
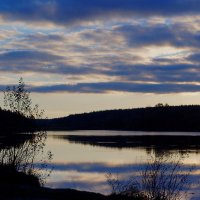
73	11
39	37
176	35
6	34
110	68
132	53
39	62
156	72
27	55
194	58
105	87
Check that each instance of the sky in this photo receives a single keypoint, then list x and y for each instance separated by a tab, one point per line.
81	55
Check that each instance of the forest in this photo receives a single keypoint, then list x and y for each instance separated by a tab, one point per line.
158	118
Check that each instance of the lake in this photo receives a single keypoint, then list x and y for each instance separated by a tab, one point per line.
81	159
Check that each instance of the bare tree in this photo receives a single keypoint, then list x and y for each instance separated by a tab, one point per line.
17	99
165	179
22	156
162	179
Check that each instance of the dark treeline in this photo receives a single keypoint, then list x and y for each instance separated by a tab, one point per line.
158	118
11	122
164	118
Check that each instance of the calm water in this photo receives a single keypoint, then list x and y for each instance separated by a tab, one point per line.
81	159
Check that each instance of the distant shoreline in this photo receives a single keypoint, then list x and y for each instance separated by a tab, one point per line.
151	119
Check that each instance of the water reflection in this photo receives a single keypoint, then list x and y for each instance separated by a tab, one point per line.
164	177
158	143
18	153
81	161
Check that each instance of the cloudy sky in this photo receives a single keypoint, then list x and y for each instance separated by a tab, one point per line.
82	55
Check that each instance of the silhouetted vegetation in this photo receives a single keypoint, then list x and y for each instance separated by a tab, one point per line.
14	122
17	100
19	152
11	178
20	157
18	170
19	112
159	118
161	105
27	193
162	179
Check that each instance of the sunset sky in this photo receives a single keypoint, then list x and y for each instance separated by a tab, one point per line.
84	55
